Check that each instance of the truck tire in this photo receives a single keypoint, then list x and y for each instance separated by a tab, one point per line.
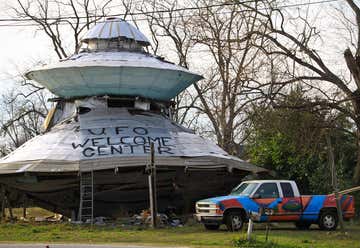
234	221
211	227
328	220
302	225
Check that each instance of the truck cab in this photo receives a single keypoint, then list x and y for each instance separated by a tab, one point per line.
272	201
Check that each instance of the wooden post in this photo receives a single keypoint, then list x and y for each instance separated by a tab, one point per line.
24	207
24	212
152	187
9	208
267	230
334	182
250	229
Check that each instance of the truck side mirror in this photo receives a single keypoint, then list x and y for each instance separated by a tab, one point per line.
256	196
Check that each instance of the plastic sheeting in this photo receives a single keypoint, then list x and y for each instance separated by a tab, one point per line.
105	138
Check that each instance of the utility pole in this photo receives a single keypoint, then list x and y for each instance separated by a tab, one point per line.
152	187
335	182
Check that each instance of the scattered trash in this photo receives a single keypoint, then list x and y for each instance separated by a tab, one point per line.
40	219
99	221
77	222
24	219
163	219
176	223
52	218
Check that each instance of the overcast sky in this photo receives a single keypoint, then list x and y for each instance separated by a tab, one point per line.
22	47
19	47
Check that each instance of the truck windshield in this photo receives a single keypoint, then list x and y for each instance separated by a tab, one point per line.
244	189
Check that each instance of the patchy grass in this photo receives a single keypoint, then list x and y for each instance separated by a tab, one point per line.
285	236
192	235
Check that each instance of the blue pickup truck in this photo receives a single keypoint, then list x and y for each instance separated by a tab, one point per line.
272	201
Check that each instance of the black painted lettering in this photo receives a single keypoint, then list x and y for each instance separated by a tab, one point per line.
139	140
140	130
123	138
80	145
165	140
120	129
95	141
163	149
131	149
101	151
116	150
97	132
154	140
88	152
146	148
112	142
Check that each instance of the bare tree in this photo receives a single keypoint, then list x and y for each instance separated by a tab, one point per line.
216	31
169	25
22	117
300	61
53	16
25	108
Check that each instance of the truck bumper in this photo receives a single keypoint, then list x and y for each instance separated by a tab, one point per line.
209	220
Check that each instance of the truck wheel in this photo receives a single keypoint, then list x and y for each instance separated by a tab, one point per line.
211	227
302	225
328	221
234	221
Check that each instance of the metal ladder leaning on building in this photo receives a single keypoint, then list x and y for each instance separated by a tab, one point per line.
86	210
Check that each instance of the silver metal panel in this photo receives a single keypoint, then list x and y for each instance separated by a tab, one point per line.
115	28
114	73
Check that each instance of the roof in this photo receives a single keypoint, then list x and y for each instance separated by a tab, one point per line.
105	138
113	28
114	73
268	181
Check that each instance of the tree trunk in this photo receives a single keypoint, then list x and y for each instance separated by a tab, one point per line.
356	177
2	214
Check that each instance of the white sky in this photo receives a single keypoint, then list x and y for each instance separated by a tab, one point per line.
22	47
19	48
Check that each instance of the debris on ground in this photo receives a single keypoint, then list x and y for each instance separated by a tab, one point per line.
100	221
40	219
142	219
52	218
163	219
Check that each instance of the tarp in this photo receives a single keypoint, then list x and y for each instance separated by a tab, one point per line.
105	138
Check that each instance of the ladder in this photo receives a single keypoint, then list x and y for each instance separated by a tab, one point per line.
86	210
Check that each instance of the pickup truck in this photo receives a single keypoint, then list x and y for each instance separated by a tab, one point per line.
272	201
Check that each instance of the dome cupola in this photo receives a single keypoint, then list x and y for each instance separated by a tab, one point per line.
112	63
114	34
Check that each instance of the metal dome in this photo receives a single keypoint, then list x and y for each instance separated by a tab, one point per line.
115	28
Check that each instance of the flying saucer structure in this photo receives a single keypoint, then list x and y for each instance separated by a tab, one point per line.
114	100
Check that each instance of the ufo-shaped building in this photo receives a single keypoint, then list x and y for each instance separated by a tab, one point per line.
113	101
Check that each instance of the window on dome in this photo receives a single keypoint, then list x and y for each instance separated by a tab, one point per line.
120	103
